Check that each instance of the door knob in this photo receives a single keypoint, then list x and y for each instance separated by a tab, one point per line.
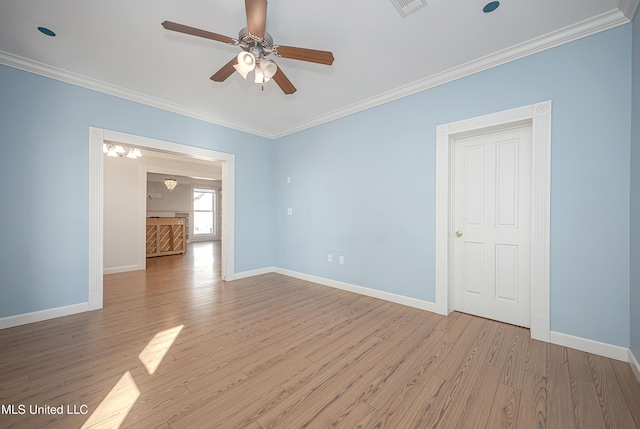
458	233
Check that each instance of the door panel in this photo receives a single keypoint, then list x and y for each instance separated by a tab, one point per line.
492	220
473	265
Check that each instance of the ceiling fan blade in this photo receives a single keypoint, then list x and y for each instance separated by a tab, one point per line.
256	17
226	71
302	54
283	82
197	32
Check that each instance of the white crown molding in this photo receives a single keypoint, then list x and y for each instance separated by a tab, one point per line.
629	8
41	69
568	34
605	21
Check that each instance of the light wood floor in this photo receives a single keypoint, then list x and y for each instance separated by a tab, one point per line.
174	347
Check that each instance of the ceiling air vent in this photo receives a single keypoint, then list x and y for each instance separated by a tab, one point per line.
406	7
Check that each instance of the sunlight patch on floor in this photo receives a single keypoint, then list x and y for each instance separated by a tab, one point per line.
159	345
116	406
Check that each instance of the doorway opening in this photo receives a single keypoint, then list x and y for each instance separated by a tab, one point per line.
97	137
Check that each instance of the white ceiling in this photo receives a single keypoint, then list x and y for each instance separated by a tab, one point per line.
119	47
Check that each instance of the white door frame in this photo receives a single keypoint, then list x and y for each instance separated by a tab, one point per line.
97	137
539	116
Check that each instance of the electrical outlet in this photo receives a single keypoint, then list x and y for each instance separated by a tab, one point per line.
329	258
341	260
288	179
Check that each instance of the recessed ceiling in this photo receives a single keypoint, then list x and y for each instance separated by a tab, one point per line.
120	47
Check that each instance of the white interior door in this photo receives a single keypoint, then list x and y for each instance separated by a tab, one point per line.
492	225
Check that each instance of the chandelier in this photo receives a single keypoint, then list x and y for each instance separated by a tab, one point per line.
170	183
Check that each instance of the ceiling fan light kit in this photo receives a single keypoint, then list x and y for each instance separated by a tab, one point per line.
256	44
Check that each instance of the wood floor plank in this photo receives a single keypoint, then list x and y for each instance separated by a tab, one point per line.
514	364
408	412
175	346
478	405
629	387
605	381
586	404
499	347
409	374
533	401
504	410
460	383
579	366
560	398
536	360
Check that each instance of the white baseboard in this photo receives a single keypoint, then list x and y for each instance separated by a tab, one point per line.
635	366
590	346
123	269
387	296
38	316
251	273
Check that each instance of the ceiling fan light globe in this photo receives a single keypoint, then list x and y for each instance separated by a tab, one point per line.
246	61
260	78
242	71
269	68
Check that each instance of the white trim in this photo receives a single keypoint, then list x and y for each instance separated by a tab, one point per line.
540	117
252	273
142	217
228	219
46	70
96	218
361	290
570	33
629	8
589	346
635	366
38	316
123	269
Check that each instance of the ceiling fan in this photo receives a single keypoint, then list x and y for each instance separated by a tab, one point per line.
256	45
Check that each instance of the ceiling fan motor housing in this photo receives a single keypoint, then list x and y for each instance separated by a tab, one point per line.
258	47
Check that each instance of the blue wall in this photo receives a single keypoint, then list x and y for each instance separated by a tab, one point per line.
364	186
44	136
635	196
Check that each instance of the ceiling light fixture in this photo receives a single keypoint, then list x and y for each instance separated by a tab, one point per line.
170	183
263	68
114	150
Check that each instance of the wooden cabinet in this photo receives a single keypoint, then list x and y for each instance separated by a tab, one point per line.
166	236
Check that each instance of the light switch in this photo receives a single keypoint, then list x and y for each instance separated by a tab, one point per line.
289	211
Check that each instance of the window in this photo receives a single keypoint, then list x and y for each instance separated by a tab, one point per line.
204	208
